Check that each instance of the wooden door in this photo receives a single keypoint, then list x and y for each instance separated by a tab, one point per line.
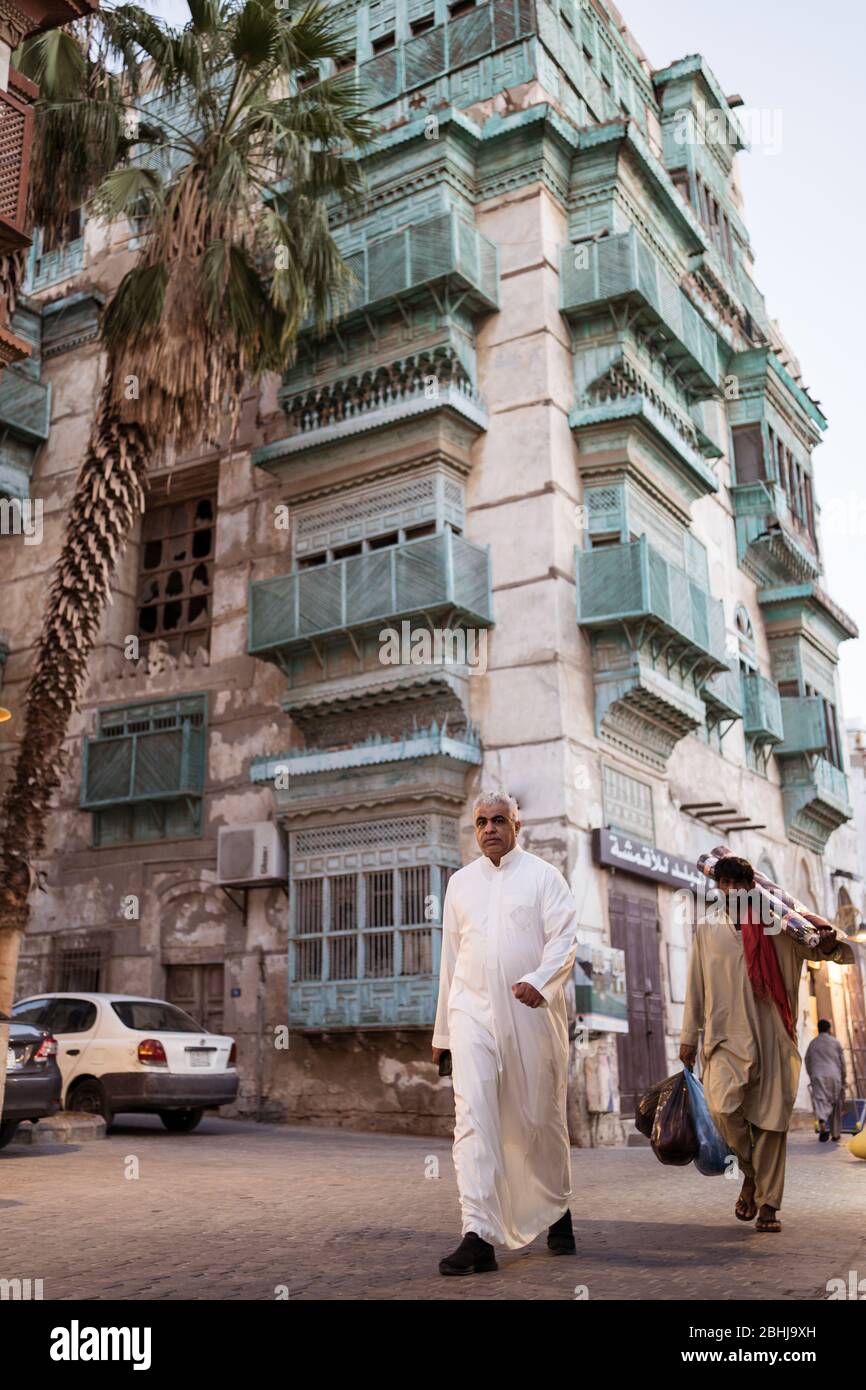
198	989
857	1016
642	1059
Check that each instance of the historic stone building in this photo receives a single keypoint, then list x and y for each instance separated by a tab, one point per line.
556	433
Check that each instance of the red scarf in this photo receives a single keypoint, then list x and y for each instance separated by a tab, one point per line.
762	966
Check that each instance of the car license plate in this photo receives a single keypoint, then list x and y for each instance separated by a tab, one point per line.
199	1059
11	1059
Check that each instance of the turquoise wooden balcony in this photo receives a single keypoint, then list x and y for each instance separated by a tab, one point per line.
655	637
815	797
767	531
444	575
459	42
623	267
25	405
148	752
633	584
762	709
444	251
723	693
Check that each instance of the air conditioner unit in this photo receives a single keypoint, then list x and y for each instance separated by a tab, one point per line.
251	856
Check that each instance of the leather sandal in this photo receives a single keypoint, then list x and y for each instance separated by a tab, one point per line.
746	1209
768	1223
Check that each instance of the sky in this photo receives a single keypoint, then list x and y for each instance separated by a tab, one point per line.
800	67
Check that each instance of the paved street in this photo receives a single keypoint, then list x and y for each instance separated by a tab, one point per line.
237	1210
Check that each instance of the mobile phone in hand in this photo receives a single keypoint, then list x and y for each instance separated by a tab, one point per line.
445	1063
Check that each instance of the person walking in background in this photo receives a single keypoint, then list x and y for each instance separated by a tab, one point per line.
509	940
825	1063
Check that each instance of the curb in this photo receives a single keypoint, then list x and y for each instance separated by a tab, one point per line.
68	1127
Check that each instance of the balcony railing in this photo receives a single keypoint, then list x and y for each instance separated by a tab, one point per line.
724	692
634	583
50	267
624	267
762	709
804	724
25	405
444	248
420	61
832	782
145	753
444	573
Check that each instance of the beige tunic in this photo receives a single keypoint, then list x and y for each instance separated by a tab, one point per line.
749	1061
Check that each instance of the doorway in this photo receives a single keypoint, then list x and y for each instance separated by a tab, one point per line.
198	990
634	929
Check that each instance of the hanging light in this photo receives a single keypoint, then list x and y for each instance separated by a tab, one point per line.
5	714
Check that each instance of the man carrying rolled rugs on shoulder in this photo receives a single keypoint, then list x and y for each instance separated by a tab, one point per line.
743	985
509	940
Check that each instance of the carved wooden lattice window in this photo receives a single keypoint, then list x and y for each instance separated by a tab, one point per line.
176	574
376	925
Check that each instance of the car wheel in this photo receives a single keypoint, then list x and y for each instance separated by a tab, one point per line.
7	1132
90	1097
180	1121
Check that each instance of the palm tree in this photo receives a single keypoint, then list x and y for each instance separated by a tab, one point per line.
227	273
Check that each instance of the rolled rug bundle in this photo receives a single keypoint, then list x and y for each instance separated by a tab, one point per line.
793	916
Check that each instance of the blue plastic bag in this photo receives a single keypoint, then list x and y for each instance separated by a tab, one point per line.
712	1159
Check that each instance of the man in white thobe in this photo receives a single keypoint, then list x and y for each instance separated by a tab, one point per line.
508	945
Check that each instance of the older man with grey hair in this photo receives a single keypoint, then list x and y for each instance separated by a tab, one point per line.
509	940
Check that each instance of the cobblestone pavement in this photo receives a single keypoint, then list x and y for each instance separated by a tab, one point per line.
237	1210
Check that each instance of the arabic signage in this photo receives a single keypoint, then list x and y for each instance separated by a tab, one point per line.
600	997
631	856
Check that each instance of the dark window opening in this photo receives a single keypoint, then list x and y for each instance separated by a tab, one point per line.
414	533
177	544
384	43
201	543
171	616
420	26
748	453
383	542
345	552
308	562
458	7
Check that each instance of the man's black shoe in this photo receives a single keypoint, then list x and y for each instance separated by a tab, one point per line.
560	1236
472	1256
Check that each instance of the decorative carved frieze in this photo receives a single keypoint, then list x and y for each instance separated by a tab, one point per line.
422	375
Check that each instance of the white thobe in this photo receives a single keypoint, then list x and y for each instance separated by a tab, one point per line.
511	1151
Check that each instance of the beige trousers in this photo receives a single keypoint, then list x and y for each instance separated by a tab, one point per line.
760	1154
